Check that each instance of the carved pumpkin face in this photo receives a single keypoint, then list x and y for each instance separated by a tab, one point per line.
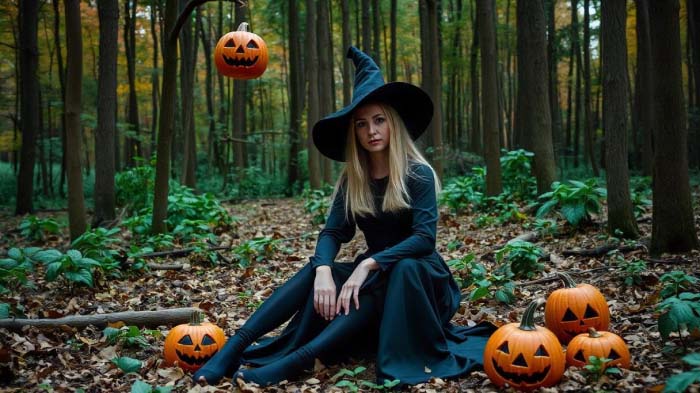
524	356
241	54
191	345
600	344
571	311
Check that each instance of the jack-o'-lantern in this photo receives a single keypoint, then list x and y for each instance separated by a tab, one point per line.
572	310
599	344
191	345
241	54
524	356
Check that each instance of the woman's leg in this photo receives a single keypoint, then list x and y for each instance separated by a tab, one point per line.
340	330
274	311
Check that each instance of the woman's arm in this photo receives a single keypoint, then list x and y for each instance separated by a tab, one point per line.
338	230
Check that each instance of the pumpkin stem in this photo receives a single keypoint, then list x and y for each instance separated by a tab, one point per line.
568	281
196	318
592	333
243	27
528	322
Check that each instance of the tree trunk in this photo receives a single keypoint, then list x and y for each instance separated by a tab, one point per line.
570	118
74	80
240	109
325	73
154	78
376	28
673	228
553	60
532	117
694	121
313	114
62	80
475	140
209	89
132	146
588	135
108	13
366	28
29	104
295	107
392	30
614	78
432	82
187	61
487	35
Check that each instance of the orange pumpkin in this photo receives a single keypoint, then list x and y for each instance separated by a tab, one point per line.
524	356
241	54
599	344
191	345
572	310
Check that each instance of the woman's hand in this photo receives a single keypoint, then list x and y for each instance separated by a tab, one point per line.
351	288
324	293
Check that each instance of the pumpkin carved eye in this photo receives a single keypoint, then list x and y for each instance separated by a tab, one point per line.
569	316
230	44
185	340
208	340
504	348
613	354
590	312
541	351
252	44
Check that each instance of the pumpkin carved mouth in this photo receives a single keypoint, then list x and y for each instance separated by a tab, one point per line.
194	360
518	378
240	61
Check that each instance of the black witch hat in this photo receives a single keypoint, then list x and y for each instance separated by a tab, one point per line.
412	103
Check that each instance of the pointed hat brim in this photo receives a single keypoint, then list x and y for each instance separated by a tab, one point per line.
411	103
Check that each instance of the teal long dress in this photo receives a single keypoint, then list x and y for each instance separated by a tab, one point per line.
410	336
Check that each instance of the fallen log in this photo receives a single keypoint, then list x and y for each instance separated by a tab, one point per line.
139	318
177	253
602	250
165	266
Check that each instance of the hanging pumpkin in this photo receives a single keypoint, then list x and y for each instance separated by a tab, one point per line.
191	345
600	344
572	310
241	54
524	356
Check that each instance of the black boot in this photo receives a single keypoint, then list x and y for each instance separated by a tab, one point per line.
226	361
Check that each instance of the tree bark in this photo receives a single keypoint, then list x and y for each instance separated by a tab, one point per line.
589	137
325	73
694	39
475	140
643	86
614	72
392	30
108	13
366	27
138	318
132	146
553	61
532	117
376	28
62	80
673	227
313	114
209	89
29	104
240	106
154	78
487	35
74	80
187	61
295	107
432	81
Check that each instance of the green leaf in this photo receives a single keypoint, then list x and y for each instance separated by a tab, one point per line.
371	385
346	384
75	255
4	310
544	209
574	214
53	270
15	254
127	364
359	369
478	293
82	276
680	382
342	373
667	325
391	384
693	359
141	387
47	256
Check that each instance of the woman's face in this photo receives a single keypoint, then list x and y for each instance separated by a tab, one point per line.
372	128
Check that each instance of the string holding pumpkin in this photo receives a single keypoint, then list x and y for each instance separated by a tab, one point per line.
570	311
241	54
523	355
190	345
599	344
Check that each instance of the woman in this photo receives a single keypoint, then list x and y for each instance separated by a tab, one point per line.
396	300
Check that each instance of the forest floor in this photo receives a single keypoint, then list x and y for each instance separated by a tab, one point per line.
68	359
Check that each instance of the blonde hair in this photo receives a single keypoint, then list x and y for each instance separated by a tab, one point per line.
356	175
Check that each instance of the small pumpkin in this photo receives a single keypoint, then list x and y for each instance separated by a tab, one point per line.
570	311
190	345
241	54
599	344
524	356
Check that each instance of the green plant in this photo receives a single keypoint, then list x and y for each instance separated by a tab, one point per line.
255	250
35	228
640	203
142	387
597	367
676	282
127	364
575	201
129	336
523	258
72	266
481	282
632	270
679	313
14	269
545	227
134	187
95	244
353	384
317	202
465	192
516	173
192	230
680	382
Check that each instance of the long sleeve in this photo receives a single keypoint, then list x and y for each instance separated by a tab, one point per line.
424	222
337	230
